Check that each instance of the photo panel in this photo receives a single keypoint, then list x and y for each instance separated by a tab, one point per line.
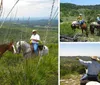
79	21
79	63
29	42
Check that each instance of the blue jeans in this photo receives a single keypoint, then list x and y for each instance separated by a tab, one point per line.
89	77
84	77
81	22
98	22
35	46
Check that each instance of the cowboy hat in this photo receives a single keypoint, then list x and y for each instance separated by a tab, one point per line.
34	30
95	58
80	14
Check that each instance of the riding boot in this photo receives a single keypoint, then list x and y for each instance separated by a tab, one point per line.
82	83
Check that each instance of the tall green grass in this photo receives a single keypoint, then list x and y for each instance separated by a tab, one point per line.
65	28
16	70
70	65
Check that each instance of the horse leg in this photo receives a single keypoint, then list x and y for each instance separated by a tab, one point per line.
86	32
92	29
82	30
74	29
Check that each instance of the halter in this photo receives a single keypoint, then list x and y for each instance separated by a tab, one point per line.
14	49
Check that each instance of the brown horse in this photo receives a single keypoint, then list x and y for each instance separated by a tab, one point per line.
5	47
83	27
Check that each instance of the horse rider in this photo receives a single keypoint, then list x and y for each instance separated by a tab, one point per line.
98	18
93	68
34	40
80	19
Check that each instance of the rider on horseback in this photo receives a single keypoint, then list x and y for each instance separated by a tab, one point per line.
98	18
34	40
93	68
80	19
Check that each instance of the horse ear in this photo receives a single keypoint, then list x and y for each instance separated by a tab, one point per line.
11	42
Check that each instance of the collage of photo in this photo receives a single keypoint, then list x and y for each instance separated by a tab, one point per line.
79	42
49	42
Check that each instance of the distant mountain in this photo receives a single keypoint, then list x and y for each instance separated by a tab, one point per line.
32	22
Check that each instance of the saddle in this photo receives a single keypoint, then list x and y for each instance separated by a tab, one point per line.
89	78
32	49
95	23
40	47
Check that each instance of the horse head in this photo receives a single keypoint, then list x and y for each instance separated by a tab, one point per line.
11	47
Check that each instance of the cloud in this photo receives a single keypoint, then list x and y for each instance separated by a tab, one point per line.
30	8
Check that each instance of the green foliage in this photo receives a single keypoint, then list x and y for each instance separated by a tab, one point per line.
16	70
18	32
65	28
89	11
70	66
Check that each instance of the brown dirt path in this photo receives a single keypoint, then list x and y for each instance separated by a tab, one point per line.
73	80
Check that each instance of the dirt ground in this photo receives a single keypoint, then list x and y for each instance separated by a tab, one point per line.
73	80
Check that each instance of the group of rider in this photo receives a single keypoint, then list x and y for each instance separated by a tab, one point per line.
81	20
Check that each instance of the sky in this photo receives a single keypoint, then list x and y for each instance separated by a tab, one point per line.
29	8
79	49
81	2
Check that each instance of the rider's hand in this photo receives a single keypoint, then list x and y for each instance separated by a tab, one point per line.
98	61
77	58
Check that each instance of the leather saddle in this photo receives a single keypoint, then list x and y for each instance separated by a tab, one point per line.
40	47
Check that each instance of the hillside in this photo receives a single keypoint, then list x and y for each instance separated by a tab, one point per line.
89	11
23	30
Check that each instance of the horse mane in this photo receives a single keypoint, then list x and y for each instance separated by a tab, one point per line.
4	46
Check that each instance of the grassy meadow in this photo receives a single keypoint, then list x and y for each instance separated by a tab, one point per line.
16	70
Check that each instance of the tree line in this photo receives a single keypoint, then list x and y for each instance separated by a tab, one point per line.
89	11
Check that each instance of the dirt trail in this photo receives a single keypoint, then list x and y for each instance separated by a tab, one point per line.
73	80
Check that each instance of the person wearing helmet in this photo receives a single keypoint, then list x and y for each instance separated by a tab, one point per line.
80	19
93	68
35	39
98	18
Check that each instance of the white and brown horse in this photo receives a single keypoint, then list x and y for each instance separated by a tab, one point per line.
75	24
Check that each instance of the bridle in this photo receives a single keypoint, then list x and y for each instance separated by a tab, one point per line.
14	50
